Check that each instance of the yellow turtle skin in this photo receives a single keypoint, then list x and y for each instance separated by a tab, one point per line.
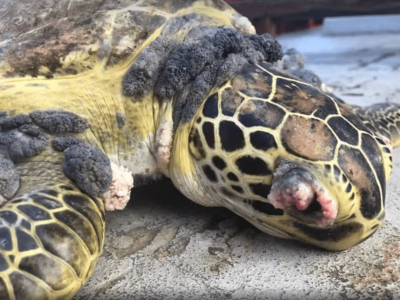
67	108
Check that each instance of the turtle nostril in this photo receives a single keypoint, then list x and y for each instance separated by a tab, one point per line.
313	214
314	206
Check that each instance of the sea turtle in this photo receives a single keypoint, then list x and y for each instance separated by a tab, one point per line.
98	95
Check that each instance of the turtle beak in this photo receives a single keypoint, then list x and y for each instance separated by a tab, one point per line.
297	191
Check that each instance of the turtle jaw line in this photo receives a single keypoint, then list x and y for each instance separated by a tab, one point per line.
297	191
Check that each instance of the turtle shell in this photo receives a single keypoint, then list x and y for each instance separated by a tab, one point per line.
52	38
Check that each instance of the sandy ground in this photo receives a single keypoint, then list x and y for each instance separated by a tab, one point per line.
163	246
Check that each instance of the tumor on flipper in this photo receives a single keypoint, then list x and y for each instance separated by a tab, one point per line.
119	192
9	179
22	138
88	167
57	120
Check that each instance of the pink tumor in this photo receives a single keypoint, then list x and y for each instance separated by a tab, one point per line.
296	187
119	192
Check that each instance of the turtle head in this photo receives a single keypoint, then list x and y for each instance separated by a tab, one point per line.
284	156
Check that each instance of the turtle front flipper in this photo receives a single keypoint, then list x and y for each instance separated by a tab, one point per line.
51	235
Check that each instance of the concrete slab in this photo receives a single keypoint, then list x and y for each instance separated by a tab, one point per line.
163	246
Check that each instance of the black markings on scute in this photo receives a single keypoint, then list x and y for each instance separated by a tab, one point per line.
85	207
263	140
262	114
302	98
3	267
348	188
380	141
24	287
334	234
208	131
81	227
345	132
58	271
4	289
328	109
210	108
344	178
356	168
249	120
260	189
231	136
353	119
66	187
328	168
230	101
266	208
259	88
5	239
352	196
48	192
237	188
373	153
336	172
375	227
25	241
227	193
386	150
9	216
252	166
384	123
60	242
26	224
45	201
219	162
34	213
210	174
195	145
232	177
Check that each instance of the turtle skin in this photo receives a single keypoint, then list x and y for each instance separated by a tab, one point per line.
179	88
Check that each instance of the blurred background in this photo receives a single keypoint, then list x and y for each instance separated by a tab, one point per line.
283	16
352	45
